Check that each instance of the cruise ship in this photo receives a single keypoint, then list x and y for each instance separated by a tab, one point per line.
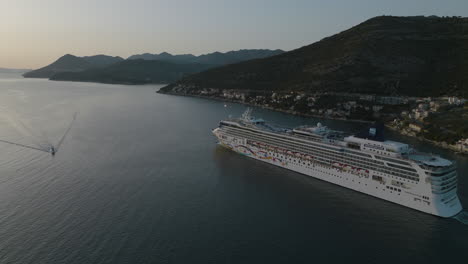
365	162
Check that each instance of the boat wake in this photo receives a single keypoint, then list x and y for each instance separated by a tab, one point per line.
462	217
40	141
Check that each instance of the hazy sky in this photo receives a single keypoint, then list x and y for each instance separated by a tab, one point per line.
36	32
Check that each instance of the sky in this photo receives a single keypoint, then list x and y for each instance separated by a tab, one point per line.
34	33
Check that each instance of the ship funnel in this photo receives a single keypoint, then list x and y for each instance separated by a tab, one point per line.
374	132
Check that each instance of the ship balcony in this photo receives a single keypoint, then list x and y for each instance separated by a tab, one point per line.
437	169
444	189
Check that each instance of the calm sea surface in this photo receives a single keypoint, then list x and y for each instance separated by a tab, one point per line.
140	179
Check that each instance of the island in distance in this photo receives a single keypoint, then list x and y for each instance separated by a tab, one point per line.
70	63
142	68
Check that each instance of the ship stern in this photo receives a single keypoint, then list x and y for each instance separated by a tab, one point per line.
447	206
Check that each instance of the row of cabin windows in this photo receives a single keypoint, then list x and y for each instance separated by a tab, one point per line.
275	140
450	186
393	160
440	174
393	188
350	144
400	167
445	183
436	170
273	137
297	161
301	148
336	157
444	190
358	153
358	163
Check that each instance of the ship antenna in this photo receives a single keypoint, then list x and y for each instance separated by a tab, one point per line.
246	116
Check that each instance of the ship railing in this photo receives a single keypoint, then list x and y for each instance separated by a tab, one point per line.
438	169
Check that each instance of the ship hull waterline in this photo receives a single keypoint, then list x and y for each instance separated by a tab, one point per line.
339	176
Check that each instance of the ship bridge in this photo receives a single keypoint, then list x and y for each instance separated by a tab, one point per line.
373	140
432	162
386	147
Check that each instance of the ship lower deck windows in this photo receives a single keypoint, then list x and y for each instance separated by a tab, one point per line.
393	188
377	178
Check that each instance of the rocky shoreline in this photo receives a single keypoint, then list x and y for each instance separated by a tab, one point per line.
388	125
443	145
267	107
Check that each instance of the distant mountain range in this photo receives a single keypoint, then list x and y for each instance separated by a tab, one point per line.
133	72
215	58
416	56
71	63
139	69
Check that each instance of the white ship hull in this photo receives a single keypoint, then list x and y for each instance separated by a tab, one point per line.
446	205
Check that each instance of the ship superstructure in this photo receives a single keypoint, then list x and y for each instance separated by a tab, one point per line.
365	162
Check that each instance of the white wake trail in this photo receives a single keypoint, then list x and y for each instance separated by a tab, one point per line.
14	120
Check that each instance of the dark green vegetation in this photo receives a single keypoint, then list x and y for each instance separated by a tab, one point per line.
215	58
448	125
133	72
415	56
70	63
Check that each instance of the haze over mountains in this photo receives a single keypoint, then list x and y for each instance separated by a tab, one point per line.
139	69
420	56
215	58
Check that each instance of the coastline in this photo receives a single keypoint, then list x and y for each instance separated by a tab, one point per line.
399	131
443	145
269	108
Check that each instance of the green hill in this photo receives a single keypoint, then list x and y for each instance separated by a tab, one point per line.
416	56
71	63
133	72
